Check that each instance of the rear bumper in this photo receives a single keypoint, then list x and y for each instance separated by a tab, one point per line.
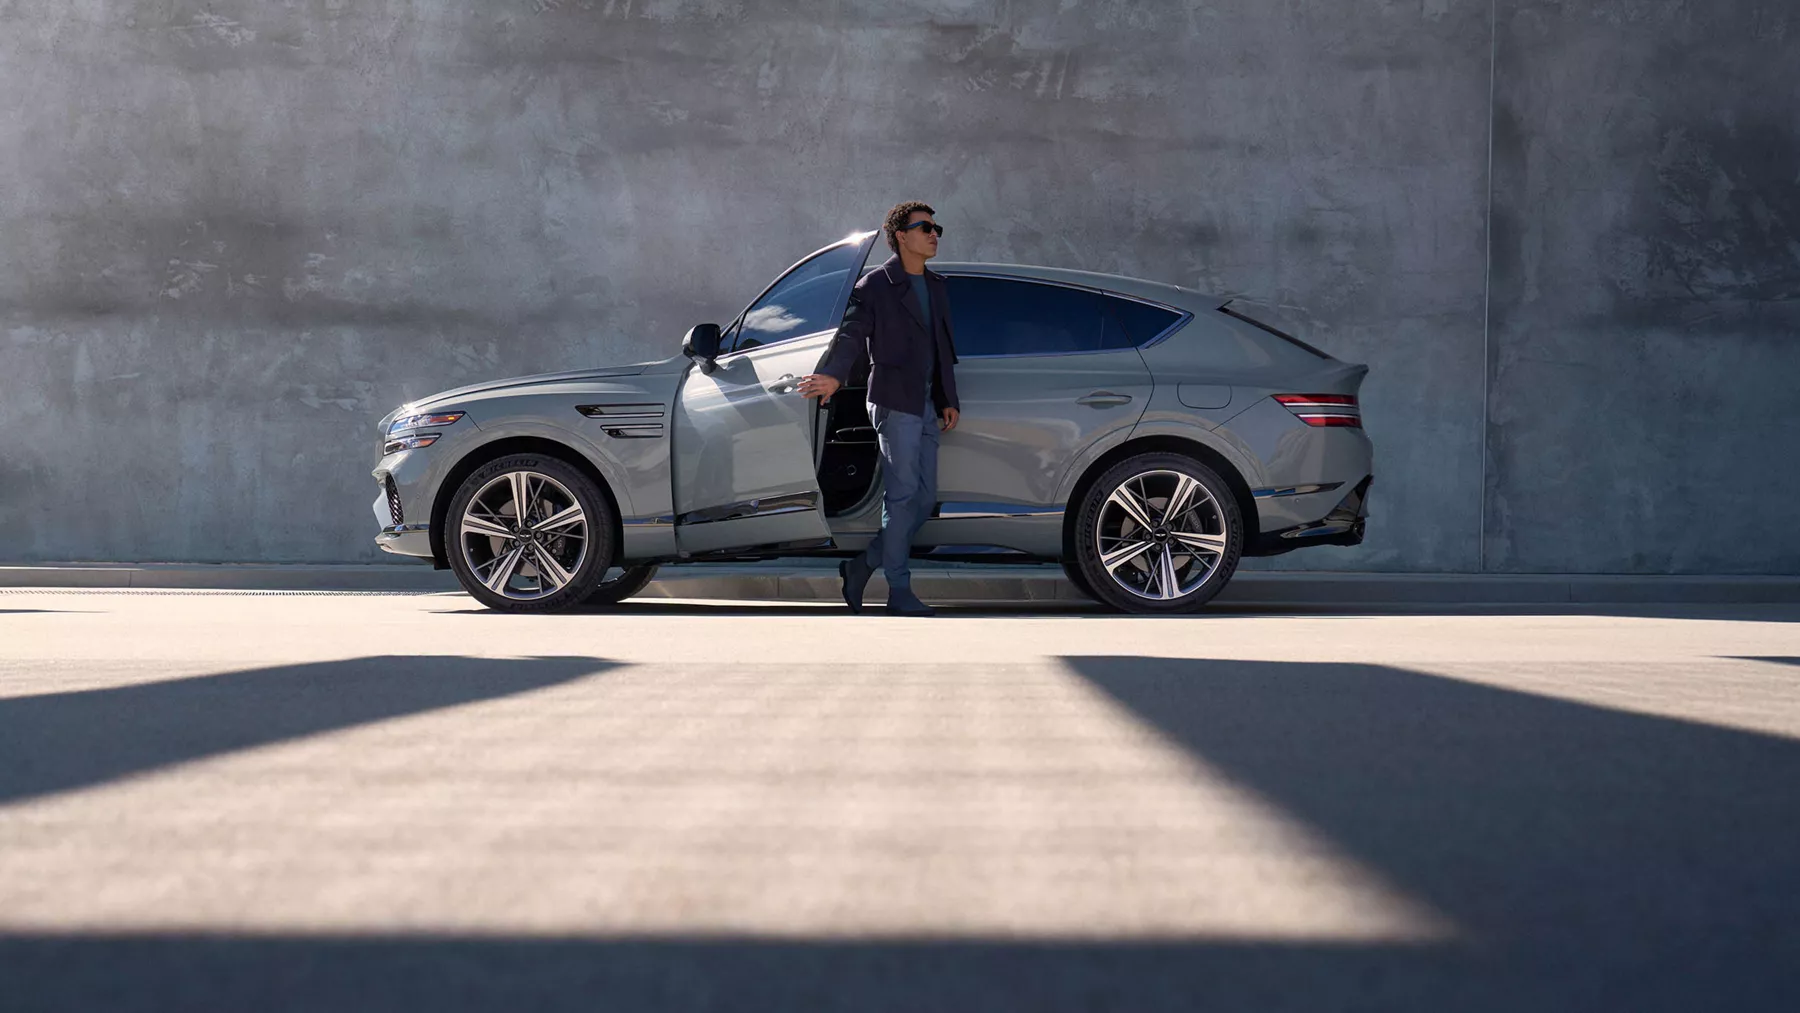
1344	525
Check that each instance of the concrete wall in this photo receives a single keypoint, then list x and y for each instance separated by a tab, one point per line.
236	234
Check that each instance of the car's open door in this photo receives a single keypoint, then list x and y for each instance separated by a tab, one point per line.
744	467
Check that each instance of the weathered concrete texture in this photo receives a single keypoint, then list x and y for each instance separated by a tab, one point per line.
237	233
1646	288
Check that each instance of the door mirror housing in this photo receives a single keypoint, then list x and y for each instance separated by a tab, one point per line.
702	345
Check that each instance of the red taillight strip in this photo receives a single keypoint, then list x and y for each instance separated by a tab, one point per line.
1323	409
1304	399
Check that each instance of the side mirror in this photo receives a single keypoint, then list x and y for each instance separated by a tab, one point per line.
702	344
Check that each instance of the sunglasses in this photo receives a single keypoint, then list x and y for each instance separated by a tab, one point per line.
929	227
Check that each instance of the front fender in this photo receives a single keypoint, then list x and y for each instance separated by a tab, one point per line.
633	460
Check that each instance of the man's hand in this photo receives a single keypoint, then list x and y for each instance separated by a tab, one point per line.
820	386
950	417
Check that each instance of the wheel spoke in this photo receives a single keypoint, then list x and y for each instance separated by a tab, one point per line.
473	525
549	567
1125	554
521	495
1181	501
1129	502
1200	540
567	517
503	567
1170	587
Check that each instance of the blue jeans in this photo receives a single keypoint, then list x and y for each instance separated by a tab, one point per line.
909	449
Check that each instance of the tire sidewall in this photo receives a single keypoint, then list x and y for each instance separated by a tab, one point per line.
1087	553
600	533
634	579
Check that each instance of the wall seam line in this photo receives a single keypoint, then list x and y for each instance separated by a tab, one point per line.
1487	288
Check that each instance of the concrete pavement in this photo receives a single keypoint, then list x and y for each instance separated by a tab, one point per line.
400	800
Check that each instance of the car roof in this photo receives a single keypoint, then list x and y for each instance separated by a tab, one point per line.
1154	291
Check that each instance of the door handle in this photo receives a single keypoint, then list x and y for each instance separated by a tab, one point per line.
783	385
1104	399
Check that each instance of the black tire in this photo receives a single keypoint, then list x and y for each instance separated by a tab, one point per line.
1139	584
629	582
589	565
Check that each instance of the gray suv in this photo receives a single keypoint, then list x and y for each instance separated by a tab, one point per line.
1142	435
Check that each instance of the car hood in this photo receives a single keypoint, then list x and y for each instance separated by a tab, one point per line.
534	380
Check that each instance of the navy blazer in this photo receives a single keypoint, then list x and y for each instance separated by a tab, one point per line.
885	333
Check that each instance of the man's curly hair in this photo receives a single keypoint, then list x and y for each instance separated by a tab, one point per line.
897	218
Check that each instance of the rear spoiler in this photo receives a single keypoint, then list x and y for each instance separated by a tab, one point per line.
1259	325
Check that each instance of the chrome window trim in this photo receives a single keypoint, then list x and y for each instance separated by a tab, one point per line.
963	511
658	521
1182	317
769	507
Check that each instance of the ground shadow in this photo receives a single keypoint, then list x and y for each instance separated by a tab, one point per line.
1588	859
18	612
1774	660
62	741
1608	852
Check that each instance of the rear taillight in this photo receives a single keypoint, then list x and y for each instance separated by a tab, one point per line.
1323	409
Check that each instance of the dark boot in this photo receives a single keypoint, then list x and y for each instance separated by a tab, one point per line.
902	602
856	572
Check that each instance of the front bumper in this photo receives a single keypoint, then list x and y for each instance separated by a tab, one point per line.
400	538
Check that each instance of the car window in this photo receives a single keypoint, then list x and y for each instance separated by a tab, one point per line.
998	316
1130	323
804	301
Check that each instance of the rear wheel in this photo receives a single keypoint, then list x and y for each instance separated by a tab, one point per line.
1072	569
1158	533
529	533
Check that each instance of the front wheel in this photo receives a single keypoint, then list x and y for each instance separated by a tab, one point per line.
1158	533
620	583
529	533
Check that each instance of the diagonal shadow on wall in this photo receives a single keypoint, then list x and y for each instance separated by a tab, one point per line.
1591	859
62	741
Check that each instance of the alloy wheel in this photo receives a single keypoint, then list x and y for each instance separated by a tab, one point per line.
1161	535
524	535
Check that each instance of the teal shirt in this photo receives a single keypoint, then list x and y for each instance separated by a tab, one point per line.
923	292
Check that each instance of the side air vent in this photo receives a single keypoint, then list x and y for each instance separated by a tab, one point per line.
626	421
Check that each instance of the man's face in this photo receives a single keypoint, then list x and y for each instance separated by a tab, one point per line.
922	242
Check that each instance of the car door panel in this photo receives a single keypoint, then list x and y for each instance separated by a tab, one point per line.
1025	420
745	468
745	472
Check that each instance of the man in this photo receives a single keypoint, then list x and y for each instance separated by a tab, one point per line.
898	326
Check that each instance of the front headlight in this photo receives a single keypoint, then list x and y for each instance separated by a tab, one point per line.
432	420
